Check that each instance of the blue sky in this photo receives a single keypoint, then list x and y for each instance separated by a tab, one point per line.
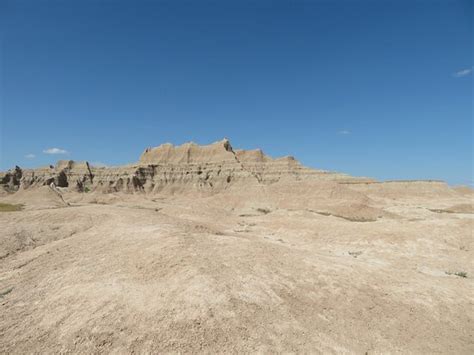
373	88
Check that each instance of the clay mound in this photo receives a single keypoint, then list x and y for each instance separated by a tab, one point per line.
189	153
460	208
36	227
353	212
404	189
464	190
95	197
308	194
37	198
296	196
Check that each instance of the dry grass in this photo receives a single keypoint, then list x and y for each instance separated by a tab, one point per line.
7	207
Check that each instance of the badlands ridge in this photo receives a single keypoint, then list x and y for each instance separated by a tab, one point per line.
186	168
211	249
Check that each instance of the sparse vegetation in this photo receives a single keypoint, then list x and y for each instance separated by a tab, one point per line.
6	207
462	274
263	210
86	189
355	254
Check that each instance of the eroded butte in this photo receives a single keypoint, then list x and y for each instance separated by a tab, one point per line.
210	249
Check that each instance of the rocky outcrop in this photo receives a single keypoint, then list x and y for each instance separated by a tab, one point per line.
268	170
189	153
11	179
66	173
174	169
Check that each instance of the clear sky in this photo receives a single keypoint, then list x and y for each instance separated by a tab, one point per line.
373	88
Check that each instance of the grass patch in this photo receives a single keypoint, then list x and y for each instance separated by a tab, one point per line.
7	207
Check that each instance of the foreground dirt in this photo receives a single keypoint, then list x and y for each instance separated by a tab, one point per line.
129	273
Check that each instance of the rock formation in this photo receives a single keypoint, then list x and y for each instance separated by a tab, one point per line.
176	169
207	249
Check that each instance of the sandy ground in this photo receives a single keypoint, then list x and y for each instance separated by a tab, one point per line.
129	273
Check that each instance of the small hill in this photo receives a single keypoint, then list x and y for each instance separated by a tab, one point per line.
37	198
